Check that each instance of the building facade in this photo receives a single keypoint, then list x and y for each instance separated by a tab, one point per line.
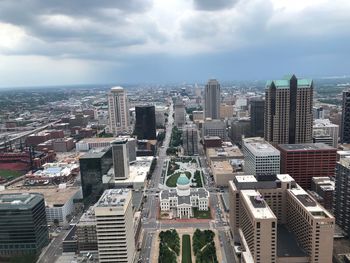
212	99
118	111
120	158
257	107
288	111
190	140
345	123
145	126
179	113
304	161
214	128
115	226
325	127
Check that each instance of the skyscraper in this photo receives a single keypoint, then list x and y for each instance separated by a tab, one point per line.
145	127
120	158
345	124
212	99
288	111
257	117
115	226
190	140
118	111
179	114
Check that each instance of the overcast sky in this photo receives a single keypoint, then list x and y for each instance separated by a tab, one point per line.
54	42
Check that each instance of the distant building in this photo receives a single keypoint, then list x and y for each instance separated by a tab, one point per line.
257	107
240	128
145	126
341	207
345	123
318	112
304	161
198	116
120	158
260	157
325	127
23	225
226	111
179	114
160	115
118	111
322	189
214	128
190	140
212	99
288	111
113	213
183	199
275	220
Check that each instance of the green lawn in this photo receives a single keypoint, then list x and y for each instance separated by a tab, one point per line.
198	178
201	214
171	182
9	174
186	249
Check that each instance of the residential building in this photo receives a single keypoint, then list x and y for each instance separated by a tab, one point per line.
277	221
114	226
118	111
257	106
328	128
341	207
345	122
260	157
304	161
145	126
288	111
212	99
23	225
190	140
120	158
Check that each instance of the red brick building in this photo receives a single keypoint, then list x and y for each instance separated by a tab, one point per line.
304	161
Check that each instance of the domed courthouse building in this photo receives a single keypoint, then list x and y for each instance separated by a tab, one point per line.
183	198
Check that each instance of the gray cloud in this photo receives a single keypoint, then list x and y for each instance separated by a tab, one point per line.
212	5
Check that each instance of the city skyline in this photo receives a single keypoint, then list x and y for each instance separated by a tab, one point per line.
153	41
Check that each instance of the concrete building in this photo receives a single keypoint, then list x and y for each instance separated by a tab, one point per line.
113	213
345	121
239	129
341	207
86	232
257	107
183	199
224	153
23	225
190	140
145	126
118	111
198	116
320	136
277	221
288	111
260	157
214	128
63	144
226	111
160	115
212	99
322	190
304	161
120	158
328	128
179	113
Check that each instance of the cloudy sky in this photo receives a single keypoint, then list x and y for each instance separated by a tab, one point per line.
131	41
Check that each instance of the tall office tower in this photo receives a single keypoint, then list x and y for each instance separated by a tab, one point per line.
240	129
341	198
118	111
132	145
304	161
179	114
288	111
277	221
120	158
23	225
328	128
145	127
212	99
345	123
260	157
214	128
93	165
115	227
190	140
257	117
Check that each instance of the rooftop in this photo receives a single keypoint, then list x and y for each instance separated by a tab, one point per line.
18	200
323	123
221	167
258	146
114	197
284	83
257	204
305	147
95	153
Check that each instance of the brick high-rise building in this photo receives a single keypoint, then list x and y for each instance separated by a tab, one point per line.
304	161
288	111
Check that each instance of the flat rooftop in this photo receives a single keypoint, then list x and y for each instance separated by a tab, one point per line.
305	147
18	200
229	152
287	244
95	153
257	205
221	167
114	197
258	146
92	140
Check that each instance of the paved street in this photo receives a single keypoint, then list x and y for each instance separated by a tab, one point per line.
54	250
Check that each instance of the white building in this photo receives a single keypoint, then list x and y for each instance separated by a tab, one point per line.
183	198
118	111
260	157
327	128
114	226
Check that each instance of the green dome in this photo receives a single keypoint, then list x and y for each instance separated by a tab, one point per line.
183	180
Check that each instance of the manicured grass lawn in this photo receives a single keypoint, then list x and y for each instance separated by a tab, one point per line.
9	173
201	214
186	249
171	182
